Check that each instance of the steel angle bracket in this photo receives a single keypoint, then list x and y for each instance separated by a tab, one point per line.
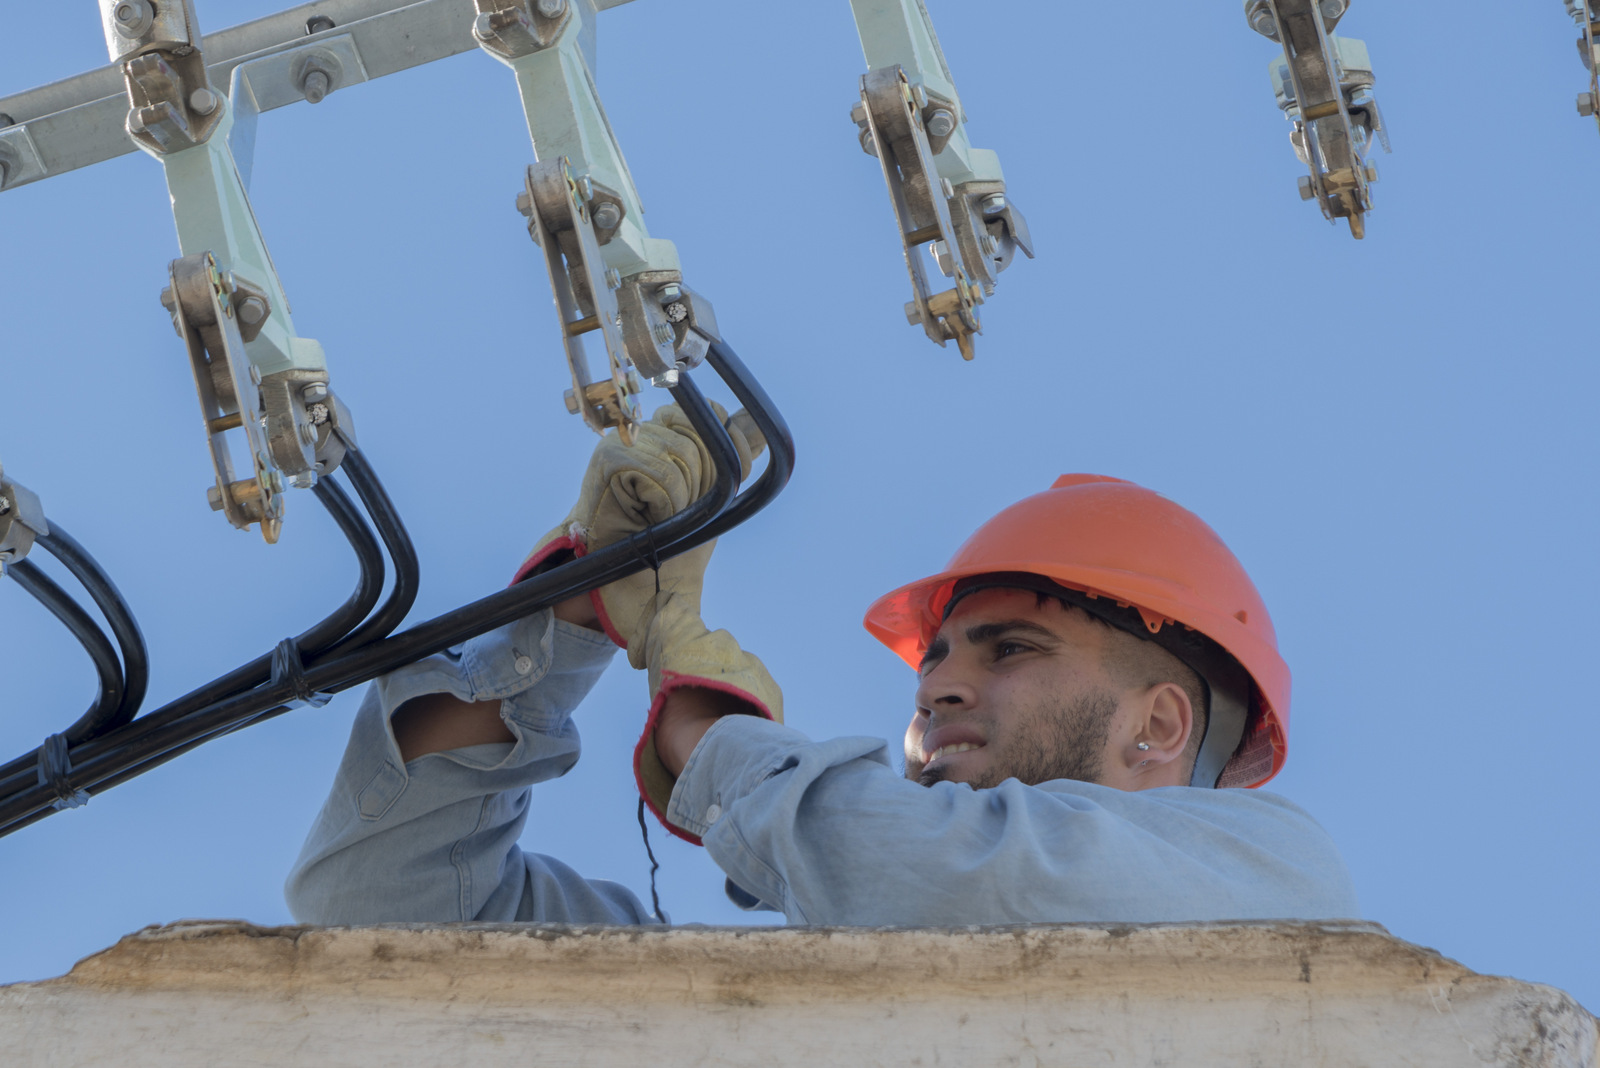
204	307
21	520
1583	13
586	301
921	202
1323	84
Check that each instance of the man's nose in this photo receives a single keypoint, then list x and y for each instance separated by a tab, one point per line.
946	687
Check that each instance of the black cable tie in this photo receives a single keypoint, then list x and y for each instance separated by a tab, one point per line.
653	559
55	770
644	829
288	668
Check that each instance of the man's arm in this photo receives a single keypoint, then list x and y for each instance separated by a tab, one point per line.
433	838
830	834
437	722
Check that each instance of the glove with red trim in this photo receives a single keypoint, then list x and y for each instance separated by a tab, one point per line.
626	489
680	651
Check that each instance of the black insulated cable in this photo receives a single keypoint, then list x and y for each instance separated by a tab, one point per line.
162	735
407	570
15	774
135	656
83	627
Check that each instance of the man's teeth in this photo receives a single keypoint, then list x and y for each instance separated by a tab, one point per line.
960	747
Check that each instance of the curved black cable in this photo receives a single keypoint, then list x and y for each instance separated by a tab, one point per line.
103	762
407	569
319	638
780	447
135	656
90	636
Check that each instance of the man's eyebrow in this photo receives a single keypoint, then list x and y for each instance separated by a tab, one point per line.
984	632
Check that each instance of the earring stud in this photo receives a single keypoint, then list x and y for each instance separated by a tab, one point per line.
1142	746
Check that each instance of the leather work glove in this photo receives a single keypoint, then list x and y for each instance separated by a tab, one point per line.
628	488
680	651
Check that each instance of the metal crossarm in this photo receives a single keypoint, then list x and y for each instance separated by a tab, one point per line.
1323	84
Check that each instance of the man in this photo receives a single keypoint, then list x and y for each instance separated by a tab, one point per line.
1097	675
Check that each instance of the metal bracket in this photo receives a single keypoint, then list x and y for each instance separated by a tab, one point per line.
514	28
171	103
894	117
1583	13
585	296
202	301
1323	84
21	520
19	158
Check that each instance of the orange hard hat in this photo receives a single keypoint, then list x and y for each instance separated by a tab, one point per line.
1146	565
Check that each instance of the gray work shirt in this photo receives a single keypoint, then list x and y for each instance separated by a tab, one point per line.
825	832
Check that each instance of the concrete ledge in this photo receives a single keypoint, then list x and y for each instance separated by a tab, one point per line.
488	995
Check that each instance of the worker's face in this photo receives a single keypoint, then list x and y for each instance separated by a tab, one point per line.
1011	688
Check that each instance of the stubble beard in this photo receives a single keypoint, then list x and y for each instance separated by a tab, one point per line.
1064	742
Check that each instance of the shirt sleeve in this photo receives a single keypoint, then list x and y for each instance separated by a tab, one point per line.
435	840
828	833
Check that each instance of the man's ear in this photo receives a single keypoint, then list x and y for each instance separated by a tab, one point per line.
1168	722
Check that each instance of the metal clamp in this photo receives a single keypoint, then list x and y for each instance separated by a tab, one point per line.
203	302
895	117
1583	13
585	294
21	520
171	103
1323	84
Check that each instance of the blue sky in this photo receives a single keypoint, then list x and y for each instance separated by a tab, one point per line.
1395	436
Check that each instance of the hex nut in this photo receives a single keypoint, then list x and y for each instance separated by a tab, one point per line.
1585	104
133	18
252	310
314	392
607	216
941	123
669	293
551	9
868	144
994	204
1307	189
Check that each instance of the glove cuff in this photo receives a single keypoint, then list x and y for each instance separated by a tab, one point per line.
568	538
655	782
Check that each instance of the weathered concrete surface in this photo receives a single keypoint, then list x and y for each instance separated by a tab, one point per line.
489	995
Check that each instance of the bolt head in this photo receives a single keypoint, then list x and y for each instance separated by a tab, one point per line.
868	145
204	101
919	97
318	23
1332	9
669	293
314	392
994	204
133	17
551	9
252	310
607	215
1585	104
1307	189
524	204
572	401
941	123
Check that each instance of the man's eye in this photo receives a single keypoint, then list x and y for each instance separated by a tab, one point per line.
1005	649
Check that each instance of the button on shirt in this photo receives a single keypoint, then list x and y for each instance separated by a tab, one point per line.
825	832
